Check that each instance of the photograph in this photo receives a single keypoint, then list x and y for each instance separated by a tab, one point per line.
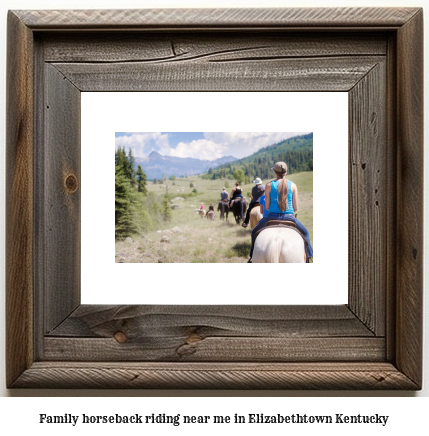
200	197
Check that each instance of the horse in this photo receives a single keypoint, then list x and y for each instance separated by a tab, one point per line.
255	216
279	245
202	213
223	208
210	215
239	207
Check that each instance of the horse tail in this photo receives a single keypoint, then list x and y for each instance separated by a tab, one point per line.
273	250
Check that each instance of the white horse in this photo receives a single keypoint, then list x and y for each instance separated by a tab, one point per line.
255	216
279	245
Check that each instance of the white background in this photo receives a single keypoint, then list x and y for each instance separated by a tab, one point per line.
20	413
324	114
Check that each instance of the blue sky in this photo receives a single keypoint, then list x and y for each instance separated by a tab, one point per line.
199	145
174	138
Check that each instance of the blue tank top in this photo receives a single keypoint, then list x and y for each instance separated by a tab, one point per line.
274	204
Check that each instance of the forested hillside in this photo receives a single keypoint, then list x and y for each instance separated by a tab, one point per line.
297	152
136	209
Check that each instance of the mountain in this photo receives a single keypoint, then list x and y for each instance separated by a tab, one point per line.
156	165
297	152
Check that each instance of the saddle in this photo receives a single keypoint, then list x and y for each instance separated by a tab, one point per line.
237	199
280	223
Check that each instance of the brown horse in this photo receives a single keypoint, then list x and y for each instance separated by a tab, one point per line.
223	208
239	207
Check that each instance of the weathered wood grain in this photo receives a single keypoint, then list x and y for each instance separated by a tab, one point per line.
39	201
61	187
135	322
179	47
341	376
325	74
368	172
19	200
391	194
409	254
217	348
288	18
213	333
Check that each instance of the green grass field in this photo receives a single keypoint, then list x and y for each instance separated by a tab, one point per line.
193	239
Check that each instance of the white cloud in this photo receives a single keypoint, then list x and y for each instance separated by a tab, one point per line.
241	144
199	149
141	143
163	144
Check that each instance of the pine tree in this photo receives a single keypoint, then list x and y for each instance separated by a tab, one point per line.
141	180
126	164
118	157
136	209
167	214
129	169
124	208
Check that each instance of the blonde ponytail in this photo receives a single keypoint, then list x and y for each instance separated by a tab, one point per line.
282	193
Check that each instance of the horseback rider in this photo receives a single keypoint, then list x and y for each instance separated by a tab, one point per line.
237	192
223	205
281	201
257	192
211	208
224	195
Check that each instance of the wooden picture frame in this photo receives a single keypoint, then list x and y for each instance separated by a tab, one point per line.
373	342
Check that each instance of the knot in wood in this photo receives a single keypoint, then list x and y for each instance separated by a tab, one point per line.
120	337
71	183
193	338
